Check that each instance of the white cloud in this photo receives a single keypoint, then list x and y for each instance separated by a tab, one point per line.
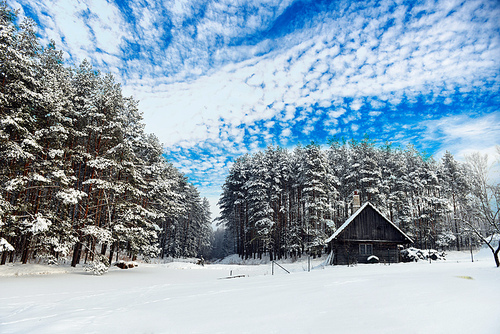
197	83
79	27
356	105
375	113
462	135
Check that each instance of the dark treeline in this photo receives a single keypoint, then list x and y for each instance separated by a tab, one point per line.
285	203
79	177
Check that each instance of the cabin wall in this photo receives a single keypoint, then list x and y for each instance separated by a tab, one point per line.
349	253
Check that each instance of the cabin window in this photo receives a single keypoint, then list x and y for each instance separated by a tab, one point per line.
365	249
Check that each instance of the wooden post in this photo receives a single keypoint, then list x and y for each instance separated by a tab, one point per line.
470	244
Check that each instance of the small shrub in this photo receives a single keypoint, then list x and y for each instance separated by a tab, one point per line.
98	266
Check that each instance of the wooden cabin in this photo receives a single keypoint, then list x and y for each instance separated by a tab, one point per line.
365	234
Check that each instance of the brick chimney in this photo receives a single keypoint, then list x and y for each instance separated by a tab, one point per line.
356	202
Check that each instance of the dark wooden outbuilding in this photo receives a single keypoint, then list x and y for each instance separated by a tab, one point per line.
365	234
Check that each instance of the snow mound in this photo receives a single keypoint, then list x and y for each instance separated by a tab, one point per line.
13	270
414	254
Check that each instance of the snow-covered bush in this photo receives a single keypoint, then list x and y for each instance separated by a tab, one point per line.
98	266
5	246
373	259
48	259
414	254
445	239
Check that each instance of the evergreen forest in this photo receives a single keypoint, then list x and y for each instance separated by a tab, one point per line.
79	177
286	203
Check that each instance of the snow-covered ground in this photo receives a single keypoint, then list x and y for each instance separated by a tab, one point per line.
452	296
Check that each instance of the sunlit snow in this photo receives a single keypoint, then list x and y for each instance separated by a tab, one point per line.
452	296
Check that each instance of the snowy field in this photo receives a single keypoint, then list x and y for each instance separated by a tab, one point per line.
452	296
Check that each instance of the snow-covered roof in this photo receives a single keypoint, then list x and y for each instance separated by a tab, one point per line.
348	221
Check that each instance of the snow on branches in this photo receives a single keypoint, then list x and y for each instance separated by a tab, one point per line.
70	196
37	224
78	175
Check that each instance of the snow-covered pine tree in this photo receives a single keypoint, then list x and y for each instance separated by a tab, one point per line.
313	179
166	197
277	162
206	233
391	195
54	127
296	241
10	151
21	175
367	171
233	204
455	188
135	227
339	161
197	229
260	220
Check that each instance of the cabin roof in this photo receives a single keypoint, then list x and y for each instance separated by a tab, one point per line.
350	219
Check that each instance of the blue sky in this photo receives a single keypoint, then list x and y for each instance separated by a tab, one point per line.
218	79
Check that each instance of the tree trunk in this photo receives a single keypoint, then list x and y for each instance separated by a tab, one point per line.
104	248
111	251
76	254
86	254
24	257
495	255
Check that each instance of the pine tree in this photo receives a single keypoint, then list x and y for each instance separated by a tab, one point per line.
233	204
313	180
277	161
455	188
24	181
